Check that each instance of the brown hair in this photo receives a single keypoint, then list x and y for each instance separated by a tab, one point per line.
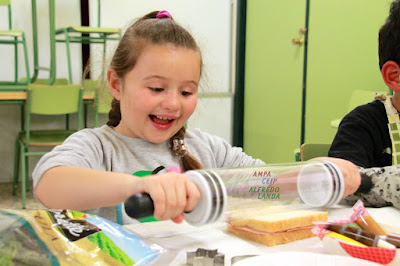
150	30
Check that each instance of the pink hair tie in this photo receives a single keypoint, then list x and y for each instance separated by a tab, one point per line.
163	14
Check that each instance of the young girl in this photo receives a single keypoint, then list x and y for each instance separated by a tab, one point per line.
153	77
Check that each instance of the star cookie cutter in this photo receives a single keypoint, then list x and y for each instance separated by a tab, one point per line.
205	257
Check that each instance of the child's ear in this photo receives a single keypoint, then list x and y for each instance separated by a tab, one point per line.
114	83
391	75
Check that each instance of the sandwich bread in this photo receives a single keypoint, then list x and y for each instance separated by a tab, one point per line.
276	227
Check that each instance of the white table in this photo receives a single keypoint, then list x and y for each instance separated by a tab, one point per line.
181	238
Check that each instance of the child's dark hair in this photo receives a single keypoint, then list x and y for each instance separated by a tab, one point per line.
389	36
151	30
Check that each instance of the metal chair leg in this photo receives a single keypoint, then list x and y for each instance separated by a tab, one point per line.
96	115
68	56
85	113
16	167
23	170
28	78
16	60
26	158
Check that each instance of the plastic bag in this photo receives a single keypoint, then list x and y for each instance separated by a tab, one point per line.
64	237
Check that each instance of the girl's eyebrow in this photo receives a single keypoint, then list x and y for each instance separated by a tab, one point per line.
163	78
192	82
154	76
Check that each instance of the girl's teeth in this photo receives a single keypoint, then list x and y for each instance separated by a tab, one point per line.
162	118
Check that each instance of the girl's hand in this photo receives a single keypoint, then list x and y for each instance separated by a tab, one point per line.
172	194
351	175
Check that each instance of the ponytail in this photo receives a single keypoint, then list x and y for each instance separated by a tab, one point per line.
188	161
114	116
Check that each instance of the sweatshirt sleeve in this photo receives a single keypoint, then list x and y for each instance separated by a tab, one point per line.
379	187
213	148
229	156
81	149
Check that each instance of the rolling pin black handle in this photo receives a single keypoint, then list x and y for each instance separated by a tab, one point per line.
139	206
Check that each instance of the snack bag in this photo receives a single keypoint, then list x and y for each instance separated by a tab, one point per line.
64	237
371	242
361	217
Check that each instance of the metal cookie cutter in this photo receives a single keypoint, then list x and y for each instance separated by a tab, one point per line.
205	257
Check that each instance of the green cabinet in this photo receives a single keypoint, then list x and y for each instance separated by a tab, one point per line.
342	57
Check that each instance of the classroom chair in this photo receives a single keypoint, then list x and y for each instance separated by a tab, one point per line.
14	37
45	81
313	150
358	97
35	45
44	100
103	98
297	155
78	34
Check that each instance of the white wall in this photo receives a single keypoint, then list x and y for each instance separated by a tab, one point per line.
209	21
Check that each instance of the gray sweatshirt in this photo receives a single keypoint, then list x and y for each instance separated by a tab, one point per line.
105	149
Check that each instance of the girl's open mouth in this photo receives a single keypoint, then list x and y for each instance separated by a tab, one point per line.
160	120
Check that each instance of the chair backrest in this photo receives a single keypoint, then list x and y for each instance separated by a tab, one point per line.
313	150
54	100
103	95
104	102
44	81
8	4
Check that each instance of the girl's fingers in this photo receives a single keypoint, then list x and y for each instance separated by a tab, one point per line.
172	194
158	196
171	200
181	195
193	196
178	219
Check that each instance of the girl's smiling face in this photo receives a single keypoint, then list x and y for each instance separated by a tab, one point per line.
159	94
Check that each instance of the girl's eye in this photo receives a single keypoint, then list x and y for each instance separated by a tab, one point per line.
156	89
186	93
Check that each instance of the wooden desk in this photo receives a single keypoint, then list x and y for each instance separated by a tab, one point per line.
21	96
7	96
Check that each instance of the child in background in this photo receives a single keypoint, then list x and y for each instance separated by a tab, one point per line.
369	135
363	136
153	77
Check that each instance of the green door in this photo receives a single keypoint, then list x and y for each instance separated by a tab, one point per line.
342	57
273	79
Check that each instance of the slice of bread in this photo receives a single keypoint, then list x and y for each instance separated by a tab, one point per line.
277	227
272	240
